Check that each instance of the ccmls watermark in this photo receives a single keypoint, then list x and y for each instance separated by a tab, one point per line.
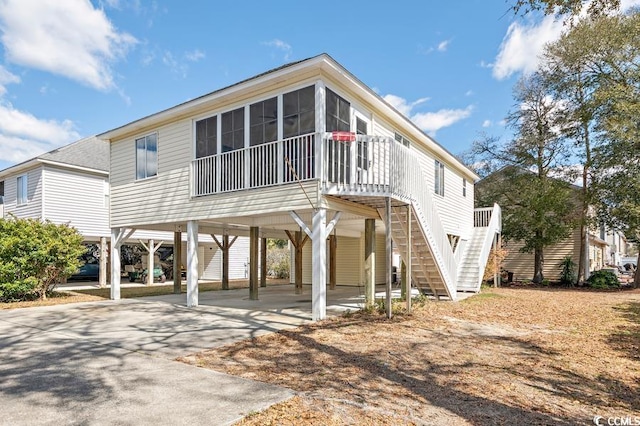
616	421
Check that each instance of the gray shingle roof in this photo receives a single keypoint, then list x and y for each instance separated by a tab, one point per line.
91	152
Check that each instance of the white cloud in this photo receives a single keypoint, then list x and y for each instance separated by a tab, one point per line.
522	45
443	45
401	104
64	37
194	55
6	78
174	65
23	136
486	123
281	45
440	47
628	4
429	122
469	93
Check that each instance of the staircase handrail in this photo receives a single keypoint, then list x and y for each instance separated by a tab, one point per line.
409	183
494	227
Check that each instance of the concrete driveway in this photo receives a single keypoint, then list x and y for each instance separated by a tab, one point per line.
112	362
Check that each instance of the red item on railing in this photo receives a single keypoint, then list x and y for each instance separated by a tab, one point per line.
343	136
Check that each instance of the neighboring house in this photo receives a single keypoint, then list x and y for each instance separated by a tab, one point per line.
71	185
605	248
304	147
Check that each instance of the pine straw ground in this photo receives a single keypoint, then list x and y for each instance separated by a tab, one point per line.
506	356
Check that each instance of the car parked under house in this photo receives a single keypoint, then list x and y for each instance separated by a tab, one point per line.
306	152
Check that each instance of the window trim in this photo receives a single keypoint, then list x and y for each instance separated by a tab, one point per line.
135	147
22	185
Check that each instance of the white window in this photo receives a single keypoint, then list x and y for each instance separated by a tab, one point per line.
439	178
263	117
147	156
299	117
1	192
106	194
22	188
338	113
233	130
464	187
207	137
404	141
363	153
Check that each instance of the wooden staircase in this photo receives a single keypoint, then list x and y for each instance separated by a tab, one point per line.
469	278
427	273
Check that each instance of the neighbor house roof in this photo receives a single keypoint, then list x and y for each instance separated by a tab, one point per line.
91	154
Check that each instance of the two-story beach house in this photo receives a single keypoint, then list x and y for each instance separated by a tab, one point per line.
304	150
71	185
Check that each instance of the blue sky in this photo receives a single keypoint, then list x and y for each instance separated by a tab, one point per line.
75	68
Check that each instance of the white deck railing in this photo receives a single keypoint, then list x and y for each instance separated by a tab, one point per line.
372	165
272	163
490	218
482	217
362	165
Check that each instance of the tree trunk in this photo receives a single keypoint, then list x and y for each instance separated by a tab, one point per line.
538	266
636	277
583	251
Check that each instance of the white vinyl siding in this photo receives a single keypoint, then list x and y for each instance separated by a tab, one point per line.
349	261
167	197
238	260
77	198
521	264
33	207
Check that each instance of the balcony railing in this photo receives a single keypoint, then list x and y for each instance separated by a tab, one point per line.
272	163
351	165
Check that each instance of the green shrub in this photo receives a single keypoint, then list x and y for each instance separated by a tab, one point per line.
18	290
568	274
35	256
278	263
603	279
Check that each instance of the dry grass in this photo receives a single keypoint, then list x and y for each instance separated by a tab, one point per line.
507	356
57	298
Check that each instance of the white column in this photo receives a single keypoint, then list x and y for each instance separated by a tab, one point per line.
409	255
150	264
319	265
369	262
115	263
102	278
389	254
320	129
192	263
